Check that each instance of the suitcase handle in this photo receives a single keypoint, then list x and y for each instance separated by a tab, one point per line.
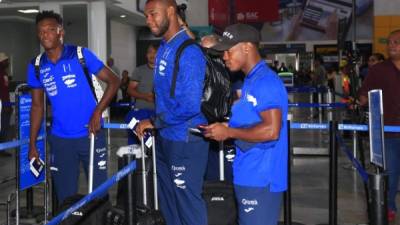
221	161
153	148
91	161
144	180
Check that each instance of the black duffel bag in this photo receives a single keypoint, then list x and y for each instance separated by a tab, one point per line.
221	203
92	213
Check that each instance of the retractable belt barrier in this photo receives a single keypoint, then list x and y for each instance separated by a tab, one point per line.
307	89
8	104
13	144
132	166
309	126
122	104
318	105
350	156
341	126
122	126
299	105
344	127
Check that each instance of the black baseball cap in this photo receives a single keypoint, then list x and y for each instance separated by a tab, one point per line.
237	33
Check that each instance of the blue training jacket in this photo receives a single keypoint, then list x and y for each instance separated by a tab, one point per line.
174	116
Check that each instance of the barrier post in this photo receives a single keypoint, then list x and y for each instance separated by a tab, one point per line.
319	109
312	101
330	99
130	203
377	202
355	143
29	202
333	161
287	197
47	164
107	119
8	216
377	182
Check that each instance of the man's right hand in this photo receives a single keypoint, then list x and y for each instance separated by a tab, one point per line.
33	153
142	126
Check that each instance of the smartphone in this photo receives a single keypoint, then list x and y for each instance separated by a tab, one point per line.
199	129
36	166
202	127
195	130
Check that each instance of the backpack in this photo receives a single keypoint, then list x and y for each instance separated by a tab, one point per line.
94	84
217	96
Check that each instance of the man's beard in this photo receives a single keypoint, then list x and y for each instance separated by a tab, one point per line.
163	29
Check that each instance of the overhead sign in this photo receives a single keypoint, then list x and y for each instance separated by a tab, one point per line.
256	11
376	135
219	13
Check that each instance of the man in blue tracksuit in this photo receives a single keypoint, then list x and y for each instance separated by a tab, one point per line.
61	76
258	124
181	156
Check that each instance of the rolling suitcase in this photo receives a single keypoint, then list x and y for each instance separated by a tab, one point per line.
150	216
147	210
220	197
91	213
140	171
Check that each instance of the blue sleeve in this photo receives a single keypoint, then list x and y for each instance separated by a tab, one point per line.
31	77
93	63
188	91
269	95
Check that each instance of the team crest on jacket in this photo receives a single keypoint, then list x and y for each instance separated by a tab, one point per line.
69	80
161	67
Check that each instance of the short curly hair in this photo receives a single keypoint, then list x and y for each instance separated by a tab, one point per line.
49	15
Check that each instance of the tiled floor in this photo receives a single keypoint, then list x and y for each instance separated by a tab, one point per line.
310	178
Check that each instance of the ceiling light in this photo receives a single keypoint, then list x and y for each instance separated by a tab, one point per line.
28	10
122	16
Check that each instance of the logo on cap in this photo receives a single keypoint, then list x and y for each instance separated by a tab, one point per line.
228	35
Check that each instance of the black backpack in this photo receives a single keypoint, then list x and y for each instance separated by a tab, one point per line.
217	97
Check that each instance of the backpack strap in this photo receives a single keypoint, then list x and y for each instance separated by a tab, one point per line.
176	65
37	66
86	71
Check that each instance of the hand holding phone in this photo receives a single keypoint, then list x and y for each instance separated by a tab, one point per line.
36	166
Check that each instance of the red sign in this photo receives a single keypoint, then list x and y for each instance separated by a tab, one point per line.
219	13
256	11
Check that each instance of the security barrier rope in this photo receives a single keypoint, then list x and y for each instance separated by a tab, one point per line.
13	144
350	156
